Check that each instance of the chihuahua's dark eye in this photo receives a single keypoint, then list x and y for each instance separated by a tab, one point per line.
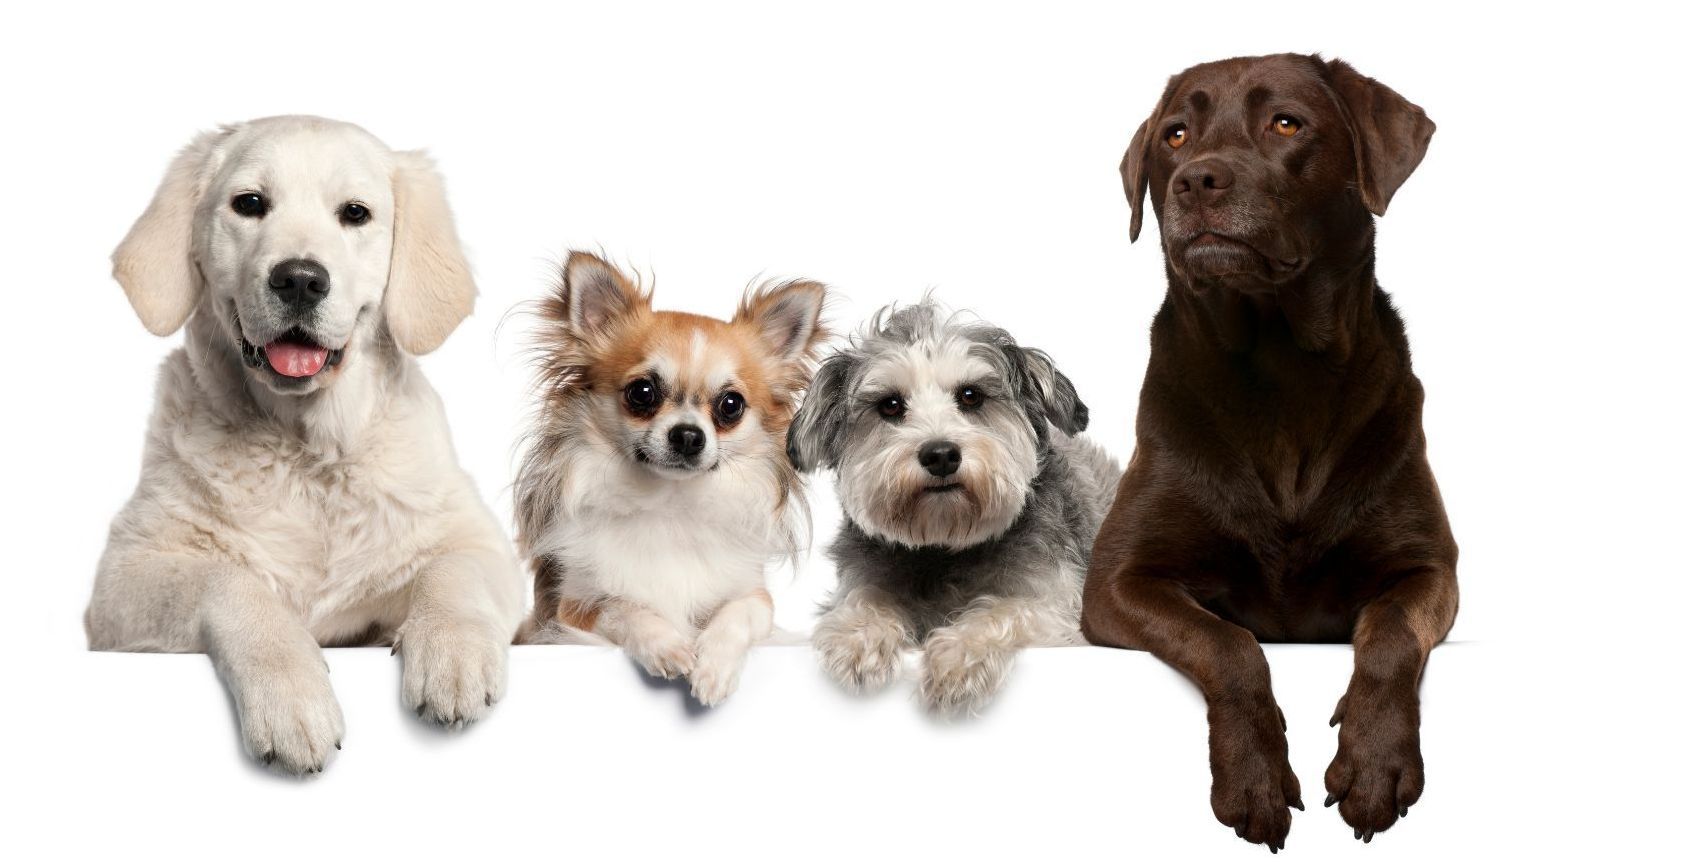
354	214
1176	136
1286	125
641	396
729	407
891	407
249	205
969	397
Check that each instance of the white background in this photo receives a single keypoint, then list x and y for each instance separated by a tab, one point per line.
1538	256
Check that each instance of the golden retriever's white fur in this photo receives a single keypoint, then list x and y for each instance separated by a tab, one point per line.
275	516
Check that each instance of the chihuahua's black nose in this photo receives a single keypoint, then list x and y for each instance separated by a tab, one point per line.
300	283
687	440
940	457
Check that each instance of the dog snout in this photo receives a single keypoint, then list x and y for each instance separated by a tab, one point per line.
940	457
299	283
1203	182
687	440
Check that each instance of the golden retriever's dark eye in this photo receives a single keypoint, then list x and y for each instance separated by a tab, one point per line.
641	396
891	407
354	214
249	205
728	408
1286	125
970	397
1176	136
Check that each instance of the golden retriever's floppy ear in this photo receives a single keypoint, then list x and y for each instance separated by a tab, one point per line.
155	262
1389	133
430	290
1135	181
594	293
788	316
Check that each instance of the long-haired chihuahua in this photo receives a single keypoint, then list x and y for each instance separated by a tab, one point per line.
655	486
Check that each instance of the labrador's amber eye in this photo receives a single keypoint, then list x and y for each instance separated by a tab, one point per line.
1286	125
1177	136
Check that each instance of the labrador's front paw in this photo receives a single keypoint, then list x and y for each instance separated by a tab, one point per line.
960	674
453	672
290	720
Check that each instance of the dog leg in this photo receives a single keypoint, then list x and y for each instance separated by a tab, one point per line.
1377	774
1252	784
721	648
965	663
647	637
862	639
454	639
273	669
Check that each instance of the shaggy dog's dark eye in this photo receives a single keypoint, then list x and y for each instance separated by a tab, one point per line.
729	407
969	397
1286	125
354	214
641	396
891	407
249	205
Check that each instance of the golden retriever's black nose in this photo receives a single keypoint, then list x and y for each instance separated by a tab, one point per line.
1203	181
300	283
687	440
940	457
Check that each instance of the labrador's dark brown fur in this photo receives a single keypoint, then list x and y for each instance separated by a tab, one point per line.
1279	489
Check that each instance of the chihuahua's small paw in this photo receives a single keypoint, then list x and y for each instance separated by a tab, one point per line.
960	676
862	655
716	674
451	673
660	649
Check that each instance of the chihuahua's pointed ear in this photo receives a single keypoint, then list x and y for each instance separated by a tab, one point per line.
819	428
155	262
1046	392
1135	179
788	316
1389	134
595	293
430	290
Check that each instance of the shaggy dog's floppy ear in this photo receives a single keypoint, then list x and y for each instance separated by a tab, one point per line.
788	316
430	290
819	428
155	263
1046	392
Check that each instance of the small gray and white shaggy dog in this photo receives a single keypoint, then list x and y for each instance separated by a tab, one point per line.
970	503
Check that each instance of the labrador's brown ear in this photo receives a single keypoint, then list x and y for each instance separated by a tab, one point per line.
1135	180
1389	133
155	262
430	290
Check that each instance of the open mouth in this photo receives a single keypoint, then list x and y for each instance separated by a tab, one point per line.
293	355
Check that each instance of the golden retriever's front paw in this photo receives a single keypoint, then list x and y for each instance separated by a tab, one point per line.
960	675
290	720
453	673
861	654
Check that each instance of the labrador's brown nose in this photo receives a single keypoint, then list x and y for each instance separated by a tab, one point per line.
1203	181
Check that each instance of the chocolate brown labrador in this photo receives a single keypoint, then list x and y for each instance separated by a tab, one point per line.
1279	489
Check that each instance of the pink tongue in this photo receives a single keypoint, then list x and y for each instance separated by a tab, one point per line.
295	360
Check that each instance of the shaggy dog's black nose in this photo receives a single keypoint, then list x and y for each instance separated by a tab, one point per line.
687	440
940	457
300	283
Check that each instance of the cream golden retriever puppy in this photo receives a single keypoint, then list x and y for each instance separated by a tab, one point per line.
298	486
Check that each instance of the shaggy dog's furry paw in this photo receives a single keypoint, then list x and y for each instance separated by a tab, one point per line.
961	675
862	654
453	673
290	720
660	649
